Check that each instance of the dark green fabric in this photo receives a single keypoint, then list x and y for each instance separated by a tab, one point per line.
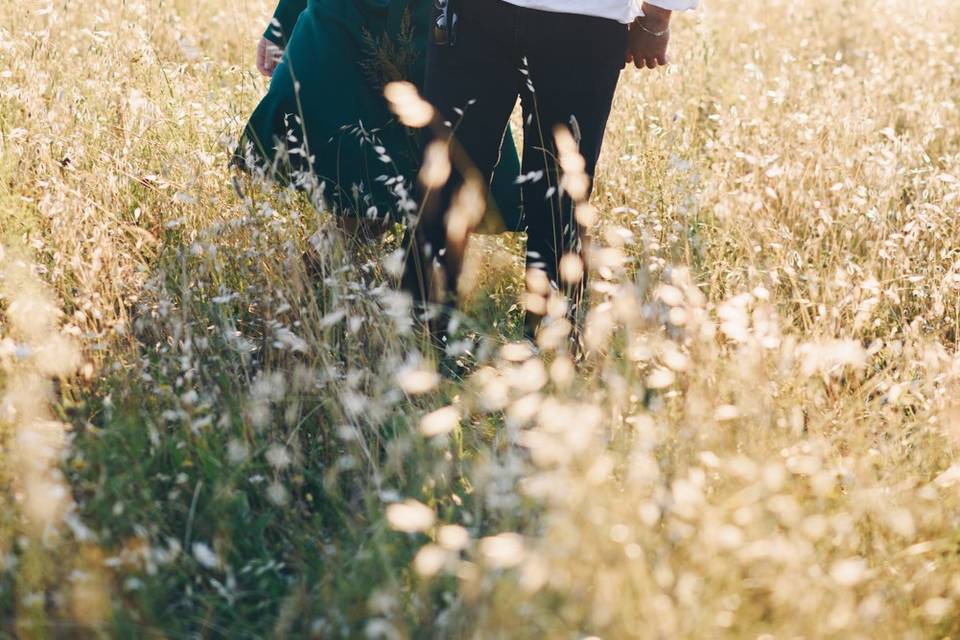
340	54
284	18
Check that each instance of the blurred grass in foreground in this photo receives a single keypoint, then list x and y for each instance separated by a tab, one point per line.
200	439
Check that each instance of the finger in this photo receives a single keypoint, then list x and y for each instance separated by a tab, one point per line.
261	57
651	63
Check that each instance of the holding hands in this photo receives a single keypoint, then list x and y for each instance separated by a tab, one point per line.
649	38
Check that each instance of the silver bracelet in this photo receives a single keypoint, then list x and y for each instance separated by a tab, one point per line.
655	34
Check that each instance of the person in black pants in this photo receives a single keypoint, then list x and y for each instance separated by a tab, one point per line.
564	67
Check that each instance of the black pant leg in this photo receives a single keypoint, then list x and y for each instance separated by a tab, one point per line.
574	66
474	85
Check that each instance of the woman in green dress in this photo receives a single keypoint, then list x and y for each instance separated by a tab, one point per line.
325	116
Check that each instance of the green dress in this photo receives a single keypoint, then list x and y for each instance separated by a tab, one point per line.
325	113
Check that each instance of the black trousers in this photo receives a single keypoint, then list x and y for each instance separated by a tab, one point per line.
564	68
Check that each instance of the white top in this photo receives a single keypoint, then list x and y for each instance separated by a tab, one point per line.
625	11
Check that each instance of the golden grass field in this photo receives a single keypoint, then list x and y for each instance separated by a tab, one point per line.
200	441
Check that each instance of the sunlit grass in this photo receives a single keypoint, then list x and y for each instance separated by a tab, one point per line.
201	437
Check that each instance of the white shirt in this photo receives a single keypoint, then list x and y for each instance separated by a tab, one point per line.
625	11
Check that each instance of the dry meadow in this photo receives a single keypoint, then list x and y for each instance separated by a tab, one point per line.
200	439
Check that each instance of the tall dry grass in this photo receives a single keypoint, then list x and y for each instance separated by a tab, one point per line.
200	438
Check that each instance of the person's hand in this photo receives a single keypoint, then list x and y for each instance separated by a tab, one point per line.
268	57
645	47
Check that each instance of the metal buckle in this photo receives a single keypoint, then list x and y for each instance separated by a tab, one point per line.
445	27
